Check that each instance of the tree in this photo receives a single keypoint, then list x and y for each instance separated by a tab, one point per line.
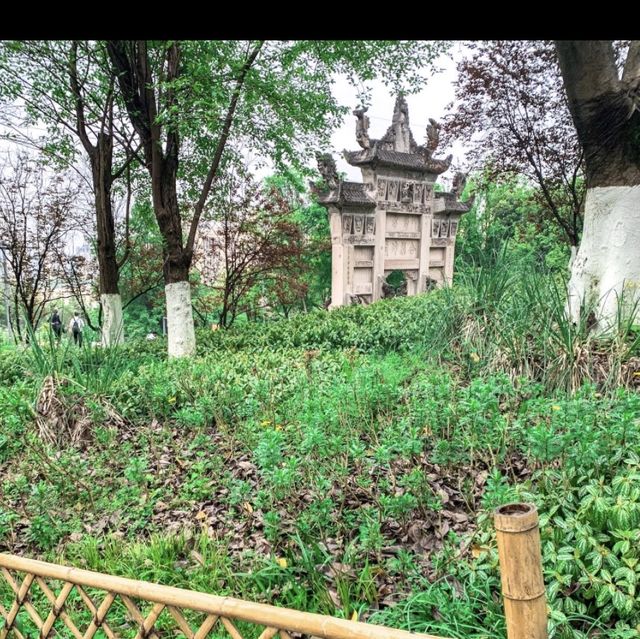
188	100
68	86
315	280
506	219
260	248
141	280
511	111
605	106
36	214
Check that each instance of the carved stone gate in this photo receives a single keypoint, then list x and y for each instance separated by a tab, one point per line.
392	220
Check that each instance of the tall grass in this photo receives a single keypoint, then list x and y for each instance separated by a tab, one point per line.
512	318
503	314
88	368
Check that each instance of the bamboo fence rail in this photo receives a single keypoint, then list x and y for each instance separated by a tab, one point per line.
524	600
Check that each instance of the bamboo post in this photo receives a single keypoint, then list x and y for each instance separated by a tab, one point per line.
520	557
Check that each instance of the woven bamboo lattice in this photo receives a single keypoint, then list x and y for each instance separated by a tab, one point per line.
39	599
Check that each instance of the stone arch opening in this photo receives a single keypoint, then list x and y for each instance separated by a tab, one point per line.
395	284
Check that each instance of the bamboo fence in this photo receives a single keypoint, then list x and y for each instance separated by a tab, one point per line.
144	604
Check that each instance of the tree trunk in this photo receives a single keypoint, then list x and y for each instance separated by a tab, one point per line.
180	328
112	320
180	324
101	164
605	274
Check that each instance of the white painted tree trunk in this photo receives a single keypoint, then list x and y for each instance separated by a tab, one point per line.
112	322
572	257
180	329
606	269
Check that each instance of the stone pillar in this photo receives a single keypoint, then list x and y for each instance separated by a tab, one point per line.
425	238
425	245
348	274
337	259
450	254
378	253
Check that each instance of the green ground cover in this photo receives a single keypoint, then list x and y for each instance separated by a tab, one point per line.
344	462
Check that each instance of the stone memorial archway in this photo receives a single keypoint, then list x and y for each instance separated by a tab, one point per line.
392	220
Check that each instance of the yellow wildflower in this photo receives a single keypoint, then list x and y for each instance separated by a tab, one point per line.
475	358
282	562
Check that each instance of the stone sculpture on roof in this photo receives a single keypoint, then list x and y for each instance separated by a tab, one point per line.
362	127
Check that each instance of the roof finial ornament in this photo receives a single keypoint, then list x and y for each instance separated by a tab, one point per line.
433	135
432	142
328	171
362	127
401	111
458	184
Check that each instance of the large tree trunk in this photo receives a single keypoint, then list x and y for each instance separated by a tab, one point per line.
180	325
605	275
143	99
112	319
606	270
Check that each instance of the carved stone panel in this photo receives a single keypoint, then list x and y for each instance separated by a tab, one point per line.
403	225
392	191
362	276
360	240
347	221
401	248
358	224
363	256
436	257
363	280
401	263
370	227
382	189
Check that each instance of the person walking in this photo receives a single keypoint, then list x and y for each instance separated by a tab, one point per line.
56	324
76	325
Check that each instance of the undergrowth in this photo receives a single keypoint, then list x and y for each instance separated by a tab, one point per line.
344	462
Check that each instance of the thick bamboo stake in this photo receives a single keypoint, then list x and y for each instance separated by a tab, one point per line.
263	614
518	537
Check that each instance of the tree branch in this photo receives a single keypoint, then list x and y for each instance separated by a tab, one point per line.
228	121
77	95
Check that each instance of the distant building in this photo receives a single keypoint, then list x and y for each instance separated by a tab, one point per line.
208	255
